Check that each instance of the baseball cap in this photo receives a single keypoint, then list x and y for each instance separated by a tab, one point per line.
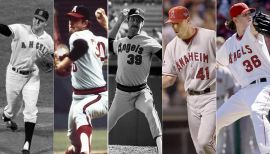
177	14
240	8
41	14
79	11
136	12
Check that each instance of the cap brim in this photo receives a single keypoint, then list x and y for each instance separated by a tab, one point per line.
136	15
40	17
75	15
169	21
248	9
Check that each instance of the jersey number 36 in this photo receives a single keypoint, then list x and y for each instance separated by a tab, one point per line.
253	62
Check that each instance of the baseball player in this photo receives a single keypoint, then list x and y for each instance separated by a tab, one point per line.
29	43
90	97
134	60
246	55
191	57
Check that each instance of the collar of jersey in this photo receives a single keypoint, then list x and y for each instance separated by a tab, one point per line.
130	37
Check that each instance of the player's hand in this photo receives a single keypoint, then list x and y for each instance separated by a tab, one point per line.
123	15
102	17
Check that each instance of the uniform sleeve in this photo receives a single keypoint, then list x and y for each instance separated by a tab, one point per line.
155	45
167	66
222	56
15	29
212	44
115	46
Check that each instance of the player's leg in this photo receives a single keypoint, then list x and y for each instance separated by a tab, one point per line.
14	85
123	103
194	121
259	112
30	94
99	108
207	129
144	103
233	109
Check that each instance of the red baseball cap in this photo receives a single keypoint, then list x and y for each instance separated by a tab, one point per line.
177	14
240	8
79	11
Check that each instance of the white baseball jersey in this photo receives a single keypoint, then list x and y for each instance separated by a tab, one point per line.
247	58
194	62
134	59
87	70
26	46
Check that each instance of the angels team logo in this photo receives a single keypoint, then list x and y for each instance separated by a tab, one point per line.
172	15
74	9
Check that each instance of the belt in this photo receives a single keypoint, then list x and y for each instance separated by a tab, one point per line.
89	91
192	92
21	71
259	80
131	88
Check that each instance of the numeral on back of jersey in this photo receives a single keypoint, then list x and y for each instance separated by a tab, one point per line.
100	52
203	73
253	62
137	59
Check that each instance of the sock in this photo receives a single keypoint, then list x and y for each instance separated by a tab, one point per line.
84	133
29	130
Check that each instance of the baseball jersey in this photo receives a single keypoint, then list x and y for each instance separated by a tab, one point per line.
194	62
247	58
134	59
27	47
87	70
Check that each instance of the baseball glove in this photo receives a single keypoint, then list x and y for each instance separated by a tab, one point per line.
261	23
45	63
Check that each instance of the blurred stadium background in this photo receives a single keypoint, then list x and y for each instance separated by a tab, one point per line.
14	11
238	138
176	138
62	86
133	129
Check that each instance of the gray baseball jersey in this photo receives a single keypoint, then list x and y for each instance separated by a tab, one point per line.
27	47
194	62
134	59
87	70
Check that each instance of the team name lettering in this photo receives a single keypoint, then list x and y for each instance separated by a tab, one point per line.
191	56
36	45
130	48
234	56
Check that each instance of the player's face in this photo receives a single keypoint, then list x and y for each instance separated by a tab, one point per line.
38	23
77	24
244	19
135	23
180	28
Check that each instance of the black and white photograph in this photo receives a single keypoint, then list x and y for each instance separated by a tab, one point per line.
135	49
26	83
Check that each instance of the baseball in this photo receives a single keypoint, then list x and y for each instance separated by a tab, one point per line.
99	12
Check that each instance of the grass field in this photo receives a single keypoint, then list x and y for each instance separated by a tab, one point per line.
99	141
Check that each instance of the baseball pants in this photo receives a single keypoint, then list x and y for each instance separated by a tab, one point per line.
83	109
202	121
125	102
22	88
253	100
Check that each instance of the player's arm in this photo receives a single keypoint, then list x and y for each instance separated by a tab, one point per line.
114	31
80	47
4	30
168	80
102	18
